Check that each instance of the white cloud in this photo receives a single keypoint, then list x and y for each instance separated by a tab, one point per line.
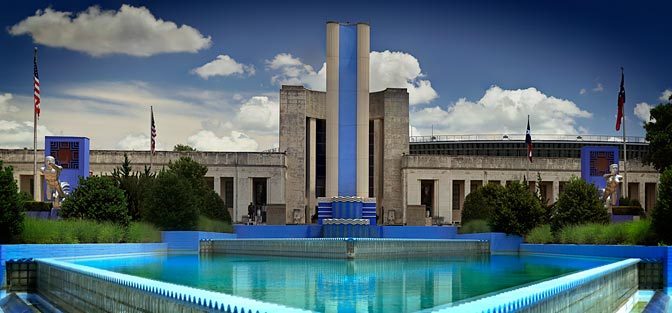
206	140
598	88
387	70
400	70
413	131
5	106
583	91
224	65
502	111
665	96
283	60
17	135
131	30
138	142
643	111
259	113
292	71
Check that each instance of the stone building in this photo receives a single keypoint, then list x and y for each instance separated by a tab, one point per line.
431	175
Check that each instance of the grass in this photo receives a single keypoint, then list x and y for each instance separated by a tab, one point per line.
39	231
629	233
210	225
475	226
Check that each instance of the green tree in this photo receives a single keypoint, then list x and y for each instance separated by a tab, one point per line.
171	203
659	136
183	148
661	217
133	184
579	203
96	198
480	203
520	211
11	208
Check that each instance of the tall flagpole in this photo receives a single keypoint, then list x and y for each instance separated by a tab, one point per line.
36	183
151	137
625	160
625	156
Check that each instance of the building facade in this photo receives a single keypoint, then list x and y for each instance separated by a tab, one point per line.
349	141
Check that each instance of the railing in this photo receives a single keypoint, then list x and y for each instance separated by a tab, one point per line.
521	137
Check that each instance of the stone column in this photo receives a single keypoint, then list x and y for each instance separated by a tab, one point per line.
363	110
467	187
332	110
556	190
218	184
642	194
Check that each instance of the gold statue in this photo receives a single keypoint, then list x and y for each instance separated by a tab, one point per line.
56	189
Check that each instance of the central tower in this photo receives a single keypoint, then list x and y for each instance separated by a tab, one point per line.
347	110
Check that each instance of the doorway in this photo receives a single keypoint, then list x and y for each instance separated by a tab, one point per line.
427	196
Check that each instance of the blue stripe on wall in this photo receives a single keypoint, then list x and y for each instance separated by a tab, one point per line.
347	110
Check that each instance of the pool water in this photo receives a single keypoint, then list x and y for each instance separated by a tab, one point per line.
325	285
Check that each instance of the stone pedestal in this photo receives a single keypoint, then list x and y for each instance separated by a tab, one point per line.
415	215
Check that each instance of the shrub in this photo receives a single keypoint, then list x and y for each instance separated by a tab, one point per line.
214	207
475	226
638	233
39	231
480	203
540	234
142	232
578	204
520	211
96	198
133	184
31	205
11	206
171	203
662	212
211	225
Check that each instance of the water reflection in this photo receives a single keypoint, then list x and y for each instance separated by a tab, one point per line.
401	285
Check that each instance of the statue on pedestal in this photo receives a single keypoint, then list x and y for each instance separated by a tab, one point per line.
610	196
56	189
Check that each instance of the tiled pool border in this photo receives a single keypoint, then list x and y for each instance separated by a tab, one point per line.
80	288
346	248
543	296
498	242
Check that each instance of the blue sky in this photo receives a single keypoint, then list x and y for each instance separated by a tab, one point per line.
212	71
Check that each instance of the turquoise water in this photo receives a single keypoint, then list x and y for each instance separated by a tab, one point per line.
399	285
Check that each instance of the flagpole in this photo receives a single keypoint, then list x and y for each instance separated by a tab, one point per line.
625	160
625	155
36	184
151	151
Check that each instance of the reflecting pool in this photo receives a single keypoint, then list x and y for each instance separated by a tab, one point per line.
327	285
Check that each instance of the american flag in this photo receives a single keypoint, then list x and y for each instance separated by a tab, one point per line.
153	131
621	101
528	139
36	85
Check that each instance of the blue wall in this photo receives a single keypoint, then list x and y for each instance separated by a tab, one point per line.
347	110
499	242
188	240
8	252
591	153
418	232
278	231
76	149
